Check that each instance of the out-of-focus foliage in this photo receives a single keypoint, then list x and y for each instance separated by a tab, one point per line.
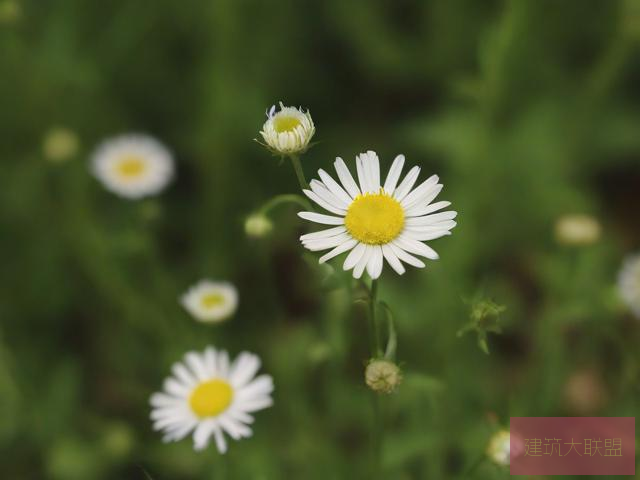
528	110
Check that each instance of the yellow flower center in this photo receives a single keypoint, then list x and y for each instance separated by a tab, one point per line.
211	398
130	166
375	218
211	300
283	123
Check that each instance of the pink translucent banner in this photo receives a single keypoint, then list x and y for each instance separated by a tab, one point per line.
573	445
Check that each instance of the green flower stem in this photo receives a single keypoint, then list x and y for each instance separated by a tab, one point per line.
376	351
378	417
282	199
297	167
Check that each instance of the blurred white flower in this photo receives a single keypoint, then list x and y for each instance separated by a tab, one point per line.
629	283
287	131
211	397
211	302
577	229
375	222
499	449
133	166
60	144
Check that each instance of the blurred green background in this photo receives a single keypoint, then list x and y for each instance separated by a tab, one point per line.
527	109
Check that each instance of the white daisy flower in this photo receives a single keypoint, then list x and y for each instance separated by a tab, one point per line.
211	302
288	131
132	166
373	221
629	283
211	397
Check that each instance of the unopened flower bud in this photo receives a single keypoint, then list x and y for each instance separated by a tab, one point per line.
577	230
60	144
382	376
257	225
287	131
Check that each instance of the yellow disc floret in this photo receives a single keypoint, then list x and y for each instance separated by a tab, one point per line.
211	398
285	123
211	300
130	167
375	218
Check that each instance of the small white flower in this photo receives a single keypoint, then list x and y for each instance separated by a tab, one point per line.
133	166
211	302
499	448
577	230
374	222
210	396
288	131
629	283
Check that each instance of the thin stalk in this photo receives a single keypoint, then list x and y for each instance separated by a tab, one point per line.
378	417
376	351
284	198
297	167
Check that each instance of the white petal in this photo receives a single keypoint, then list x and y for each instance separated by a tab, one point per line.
176	412
326	243
354	256
240	416
172	386
210	361
324	204
424	209
394	175
431	219
362	263
168	422
320	218
164	400
392	259
414	246
223	364
373	170
330	232
255	404
221	443
196	364
374	267
364	186
348	245
323	192
202	433
406	257
236	430
425	192
183	375
178	433
260	386
243	369
345	177
425	236
405	187
334	187
445	225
